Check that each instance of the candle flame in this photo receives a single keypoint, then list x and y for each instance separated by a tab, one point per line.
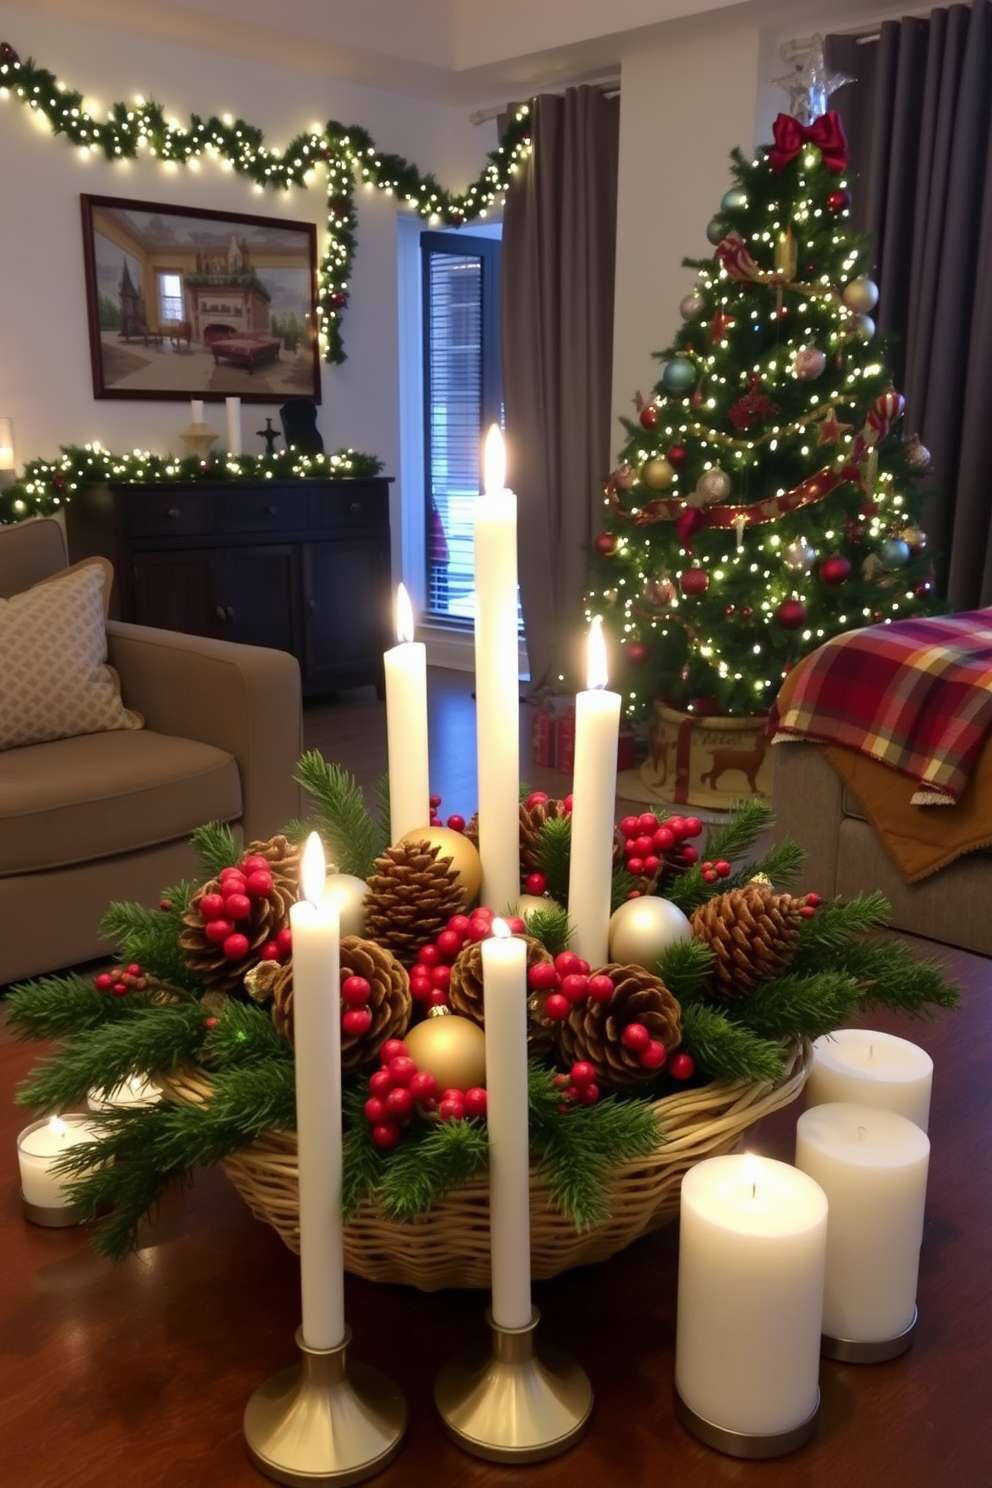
494	462
596	672
404	615
501	929
57	1126
312	872
752	1172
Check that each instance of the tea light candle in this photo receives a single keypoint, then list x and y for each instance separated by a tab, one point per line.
233	406
196	410
872	1164
497	709
405	668
871	1069
136	1090
594	786
504	981
752	1252
38	1147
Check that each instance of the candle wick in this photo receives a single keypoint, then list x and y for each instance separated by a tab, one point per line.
862	1133
754	1190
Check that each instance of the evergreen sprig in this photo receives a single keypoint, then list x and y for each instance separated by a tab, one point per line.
798	1005
727	1050
150	937
432	1159
735	836
244	1035
56	1007
353	839
215	846
553	852
551	927
684	967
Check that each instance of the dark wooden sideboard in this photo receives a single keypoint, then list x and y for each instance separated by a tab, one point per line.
301	565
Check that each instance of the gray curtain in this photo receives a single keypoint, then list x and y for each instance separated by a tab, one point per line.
918	121
558	257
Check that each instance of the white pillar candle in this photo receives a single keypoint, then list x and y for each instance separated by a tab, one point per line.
38	1147
405	667
594	786
196	410
317	1041
136	1090
752	1247
233	425
497	706
872	1069
504	981
872	1165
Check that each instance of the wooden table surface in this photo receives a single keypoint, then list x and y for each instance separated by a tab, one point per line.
137	1376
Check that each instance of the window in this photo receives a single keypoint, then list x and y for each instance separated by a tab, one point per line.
170	297
462	397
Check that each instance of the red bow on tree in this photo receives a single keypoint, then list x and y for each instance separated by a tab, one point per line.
826	132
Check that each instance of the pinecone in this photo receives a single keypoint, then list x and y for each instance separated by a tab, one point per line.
593	1030
411	898
532	819
269	913
389	1001
752	932
465	992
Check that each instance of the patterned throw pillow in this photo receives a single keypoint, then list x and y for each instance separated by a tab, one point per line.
54	678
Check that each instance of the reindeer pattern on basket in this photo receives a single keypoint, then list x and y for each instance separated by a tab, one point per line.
747	761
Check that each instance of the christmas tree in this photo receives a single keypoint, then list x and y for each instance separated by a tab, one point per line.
767	496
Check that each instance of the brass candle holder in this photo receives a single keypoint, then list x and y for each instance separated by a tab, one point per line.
506	1402
198	438
324	1420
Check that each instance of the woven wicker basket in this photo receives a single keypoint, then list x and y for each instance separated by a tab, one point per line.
449	1247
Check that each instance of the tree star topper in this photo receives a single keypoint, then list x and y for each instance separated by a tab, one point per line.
810	86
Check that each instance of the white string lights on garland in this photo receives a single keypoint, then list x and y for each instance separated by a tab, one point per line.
348	154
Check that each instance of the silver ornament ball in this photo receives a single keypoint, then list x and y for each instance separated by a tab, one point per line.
799	556
641	929
692	305
860	295
348	893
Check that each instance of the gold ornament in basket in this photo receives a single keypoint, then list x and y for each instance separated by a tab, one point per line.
449	1247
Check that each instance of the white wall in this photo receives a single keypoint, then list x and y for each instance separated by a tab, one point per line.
45	378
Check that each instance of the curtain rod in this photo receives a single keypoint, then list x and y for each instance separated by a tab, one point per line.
482	116
799	46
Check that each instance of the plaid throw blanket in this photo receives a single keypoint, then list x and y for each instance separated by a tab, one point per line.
916	695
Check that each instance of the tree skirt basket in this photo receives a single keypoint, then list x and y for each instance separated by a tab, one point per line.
449	1247
706	760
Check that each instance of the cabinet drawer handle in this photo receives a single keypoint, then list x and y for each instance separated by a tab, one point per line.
172	512
219	612
354	506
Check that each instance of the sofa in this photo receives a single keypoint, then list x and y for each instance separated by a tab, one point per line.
99	795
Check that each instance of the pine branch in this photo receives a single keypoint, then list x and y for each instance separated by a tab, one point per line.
550	927
244	1034
554	843
362	1160
684	968
889	975
432	1159
150	937
736	836
728	1051
835	925
578	1152
797	1006
54	1007
151	1039
782	863
352	838
216	848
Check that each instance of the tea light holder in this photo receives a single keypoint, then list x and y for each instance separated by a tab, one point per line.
43	1194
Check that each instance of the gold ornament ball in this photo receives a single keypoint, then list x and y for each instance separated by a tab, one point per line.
451	1048
348	893
860	295
658	473
530	904
644	927
464	855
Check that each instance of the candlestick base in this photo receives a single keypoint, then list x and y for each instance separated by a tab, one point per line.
858	1351
54	1217
743	1443
503	1402
198	438
324	1421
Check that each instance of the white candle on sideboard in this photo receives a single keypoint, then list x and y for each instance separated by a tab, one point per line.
872	1164
196	410
317	1041
594	785
405	667
233	406
497	706
38	1146
873	1069
752	1249
504	981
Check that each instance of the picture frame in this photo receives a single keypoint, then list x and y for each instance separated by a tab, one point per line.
186	303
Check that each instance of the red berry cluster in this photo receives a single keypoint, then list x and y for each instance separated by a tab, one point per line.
231	903
399	1091
649	843
711	871
431	972
357	1016
566	981
121	980
578	1087
455	823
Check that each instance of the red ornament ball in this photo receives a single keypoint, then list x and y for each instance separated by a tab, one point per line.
648	416
677	454
838	201
7	53
606	543
792	614
694	581
636	653
889	405
835	570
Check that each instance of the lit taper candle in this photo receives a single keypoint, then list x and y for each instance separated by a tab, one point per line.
504	982
594	787
317	1041
497	681
406	725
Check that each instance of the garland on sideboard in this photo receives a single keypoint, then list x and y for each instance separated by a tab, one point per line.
48	485
348	153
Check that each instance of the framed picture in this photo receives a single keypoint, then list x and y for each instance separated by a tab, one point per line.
185	303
